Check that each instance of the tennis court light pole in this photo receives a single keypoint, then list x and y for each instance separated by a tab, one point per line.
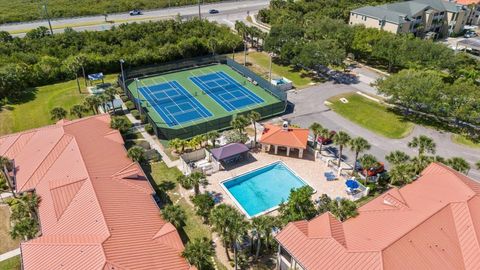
138	97
199	12
270	73
123	74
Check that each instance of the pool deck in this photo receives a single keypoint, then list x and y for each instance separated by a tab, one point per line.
309	170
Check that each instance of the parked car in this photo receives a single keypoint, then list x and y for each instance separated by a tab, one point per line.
326	140
470	34
376	169
213	11
135	12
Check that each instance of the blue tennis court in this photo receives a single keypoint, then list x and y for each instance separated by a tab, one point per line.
173	103
226	91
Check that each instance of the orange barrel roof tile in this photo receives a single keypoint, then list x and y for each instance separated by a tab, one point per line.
291	137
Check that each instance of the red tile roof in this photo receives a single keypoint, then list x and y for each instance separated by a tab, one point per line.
292	137
96	209
433	223
468	2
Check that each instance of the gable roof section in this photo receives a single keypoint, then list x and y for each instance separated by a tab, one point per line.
96	209
433	223
292	137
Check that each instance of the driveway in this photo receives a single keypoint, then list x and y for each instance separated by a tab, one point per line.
310	107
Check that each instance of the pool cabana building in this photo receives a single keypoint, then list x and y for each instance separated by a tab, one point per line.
284	137
229	154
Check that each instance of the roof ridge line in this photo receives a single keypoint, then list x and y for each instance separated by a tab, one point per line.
454	173
18	137
64	135
94	191
70	183
414	227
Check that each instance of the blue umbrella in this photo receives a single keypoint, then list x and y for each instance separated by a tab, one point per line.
352	184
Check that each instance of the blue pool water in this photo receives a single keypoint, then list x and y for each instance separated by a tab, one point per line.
264	188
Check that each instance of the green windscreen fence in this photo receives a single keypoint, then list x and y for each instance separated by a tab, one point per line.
217	123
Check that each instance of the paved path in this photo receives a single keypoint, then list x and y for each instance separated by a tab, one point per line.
310	107
230	11
10	254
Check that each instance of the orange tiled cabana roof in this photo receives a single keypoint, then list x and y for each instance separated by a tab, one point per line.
291	137
96	209
433	223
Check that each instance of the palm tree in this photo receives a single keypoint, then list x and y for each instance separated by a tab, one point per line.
402	173
193	180
194	142
6	165
78	110
367	161
237	229
424	144
220	218
341	139
262	226
212	136
397	157
324	133
239	123
174	144
136	153
92	102
204	203
174	214
459	164
254	116
343	209
121	123
199	253
58	113
316	128
104	98
419	163
358	145
110	93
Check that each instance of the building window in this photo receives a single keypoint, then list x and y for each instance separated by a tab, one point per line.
419	17
285	254
441	13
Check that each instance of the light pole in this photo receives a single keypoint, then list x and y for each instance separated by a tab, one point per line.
48	17
123	75
270	73
199	11
138	97
244	52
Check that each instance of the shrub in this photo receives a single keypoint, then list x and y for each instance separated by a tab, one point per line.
143	118
124	98
149	129
152	155
135	114
144	144
130	105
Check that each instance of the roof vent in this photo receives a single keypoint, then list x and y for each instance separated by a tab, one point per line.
285	125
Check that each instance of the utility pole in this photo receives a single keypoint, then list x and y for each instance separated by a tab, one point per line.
244	52
199	11
47	16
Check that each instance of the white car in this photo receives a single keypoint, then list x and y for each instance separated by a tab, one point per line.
135	12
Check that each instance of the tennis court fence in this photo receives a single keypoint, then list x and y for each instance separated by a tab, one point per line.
175	66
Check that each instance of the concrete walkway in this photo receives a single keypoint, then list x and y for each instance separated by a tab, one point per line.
10	254
137	126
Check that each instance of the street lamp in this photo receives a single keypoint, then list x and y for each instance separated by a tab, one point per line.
44	6
270	73
123	74
138	97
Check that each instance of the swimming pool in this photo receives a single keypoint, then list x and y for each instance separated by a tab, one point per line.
262	190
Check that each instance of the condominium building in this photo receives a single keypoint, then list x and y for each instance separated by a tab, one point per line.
474	6
419	17
432	223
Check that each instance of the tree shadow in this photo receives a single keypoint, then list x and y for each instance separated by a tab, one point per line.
23	96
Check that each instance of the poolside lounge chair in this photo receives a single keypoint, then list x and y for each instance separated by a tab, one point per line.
330	176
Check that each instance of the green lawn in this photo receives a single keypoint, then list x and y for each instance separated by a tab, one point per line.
460	139
260	63
6	243
36	112
371	115
167	177
11	264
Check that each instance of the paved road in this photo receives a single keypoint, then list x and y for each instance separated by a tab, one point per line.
310	107
229	12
